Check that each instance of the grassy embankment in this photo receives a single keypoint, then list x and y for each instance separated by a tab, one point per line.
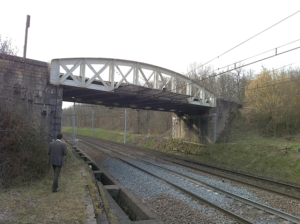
246	149
35	203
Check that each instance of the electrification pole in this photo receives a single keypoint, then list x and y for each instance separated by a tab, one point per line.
73	126
26	34
93	124
125	136
76	125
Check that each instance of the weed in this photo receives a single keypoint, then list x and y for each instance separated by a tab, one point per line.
23	147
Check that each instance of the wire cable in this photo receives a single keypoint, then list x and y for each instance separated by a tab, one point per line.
273	71
226	66
243	87
241	66
266	51
244	42
287	51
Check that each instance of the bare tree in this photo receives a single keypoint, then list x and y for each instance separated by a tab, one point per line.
6	46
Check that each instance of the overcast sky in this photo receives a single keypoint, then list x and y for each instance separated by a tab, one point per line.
171	34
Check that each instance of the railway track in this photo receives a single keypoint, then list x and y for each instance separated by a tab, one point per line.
257	209
279	188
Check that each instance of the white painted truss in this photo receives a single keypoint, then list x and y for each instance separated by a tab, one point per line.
105	74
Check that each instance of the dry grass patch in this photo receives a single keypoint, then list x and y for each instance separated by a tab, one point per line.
35	202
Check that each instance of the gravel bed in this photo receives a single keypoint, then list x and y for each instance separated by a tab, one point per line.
278	202
216	183
246	179
275	201
156	193
214	197
172	210
282	203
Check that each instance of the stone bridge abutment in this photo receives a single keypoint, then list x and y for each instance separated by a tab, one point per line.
206	127
25	88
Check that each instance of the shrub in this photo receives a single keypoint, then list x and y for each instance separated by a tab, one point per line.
23	148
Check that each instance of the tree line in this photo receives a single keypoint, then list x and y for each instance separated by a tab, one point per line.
274	94
138	121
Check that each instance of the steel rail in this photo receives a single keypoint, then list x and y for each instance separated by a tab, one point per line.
219	168
239	181
265	208
257	205
168	158
228	213
244	174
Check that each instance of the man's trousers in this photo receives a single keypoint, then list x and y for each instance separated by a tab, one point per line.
56	170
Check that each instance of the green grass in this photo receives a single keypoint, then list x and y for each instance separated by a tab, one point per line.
274	159
264	159
117	136
35	203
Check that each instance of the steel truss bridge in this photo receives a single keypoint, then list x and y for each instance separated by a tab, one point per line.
128	84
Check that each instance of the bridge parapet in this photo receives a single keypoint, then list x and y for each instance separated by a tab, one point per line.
105	74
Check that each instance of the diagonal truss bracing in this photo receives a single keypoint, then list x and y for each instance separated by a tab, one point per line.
105	74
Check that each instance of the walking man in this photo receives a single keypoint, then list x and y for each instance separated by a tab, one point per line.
57	150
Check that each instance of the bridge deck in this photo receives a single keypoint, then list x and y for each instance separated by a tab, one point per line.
135	97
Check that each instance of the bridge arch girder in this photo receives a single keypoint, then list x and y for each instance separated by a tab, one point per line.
111	74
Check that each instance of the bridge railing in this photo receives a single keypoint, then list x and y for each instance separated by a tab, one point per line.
107	74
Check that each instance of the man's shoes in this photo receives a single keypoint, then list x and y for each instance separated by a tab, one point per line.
55	191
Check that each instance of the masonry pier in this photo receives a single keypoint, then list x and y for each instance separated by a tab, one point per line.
206	126
25	87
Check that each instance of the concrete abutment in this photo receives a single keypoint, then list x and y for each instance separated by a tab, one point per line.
206	127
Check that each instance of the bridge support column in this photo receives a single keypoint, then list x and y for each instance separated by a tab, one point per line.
25	89
204	128
191	128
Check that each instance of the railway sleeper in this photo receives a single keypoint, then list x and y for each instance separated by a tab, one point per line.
120	204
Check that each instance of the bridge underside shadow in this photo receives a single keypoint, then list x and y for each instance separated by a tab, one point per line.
206	127
189	122
134	97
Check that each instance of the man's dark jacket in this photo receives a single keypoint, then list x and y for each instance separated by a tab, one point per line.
57	150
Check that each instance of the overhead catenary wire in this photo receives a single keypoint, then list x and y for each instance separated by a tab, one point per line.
276	48
293	80
241	66
238	67
273	71
243	42
226	66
